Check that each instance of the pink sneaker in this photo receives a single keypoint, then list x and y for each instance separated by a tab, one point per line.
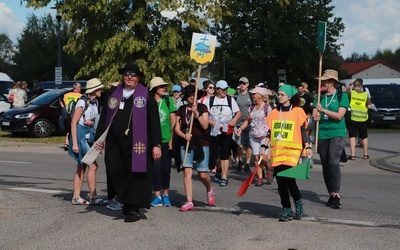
188	206
211	197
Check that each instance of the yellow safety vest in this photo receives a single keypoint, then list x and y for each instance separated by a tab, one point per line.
71	96
358	105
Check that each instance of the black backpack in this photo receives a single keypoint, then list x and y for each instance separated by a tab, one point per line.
68	112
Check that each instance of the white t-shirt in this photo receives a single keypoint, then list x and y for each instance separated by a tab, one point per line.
221	113
91	112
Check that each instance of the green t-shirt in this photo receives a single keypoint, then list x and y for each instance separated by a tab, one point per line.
165	119
328	127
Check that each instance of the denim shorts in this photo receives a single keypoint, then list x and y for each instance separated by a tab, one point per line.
202	166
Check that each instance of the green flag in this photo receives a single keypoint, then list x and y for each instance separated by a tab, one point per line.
301	171
321	37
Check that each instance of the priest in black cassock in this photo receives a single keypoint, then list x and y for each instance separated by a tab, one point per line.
130	114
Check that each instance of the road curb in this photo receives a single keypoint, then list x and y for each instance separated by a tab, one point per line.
391	163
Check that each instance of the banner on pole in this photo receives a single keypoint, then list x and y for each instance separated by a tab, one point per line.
202	49
321	36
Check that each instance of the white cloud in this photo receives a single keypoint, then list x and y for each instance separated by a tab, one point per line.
8	23
369	25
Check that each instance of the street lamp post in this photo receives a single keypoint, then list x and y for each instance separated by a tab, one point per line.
59	38
58	69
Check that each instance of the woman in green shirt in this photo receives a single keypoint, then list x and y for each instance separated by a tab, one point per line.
332	132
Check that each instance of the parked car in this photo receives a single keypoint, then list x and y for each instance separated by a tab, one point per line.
63	85
39	117
385	99
4	104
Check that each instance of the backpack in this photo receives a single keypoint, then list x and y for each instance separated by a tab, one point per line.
68	112
229	98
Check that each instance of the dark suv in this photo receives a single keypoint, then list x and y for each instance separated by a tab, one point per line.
385	99
39	117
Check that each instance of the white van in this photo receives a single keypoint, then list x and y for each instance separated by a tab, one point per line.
6	83
374	81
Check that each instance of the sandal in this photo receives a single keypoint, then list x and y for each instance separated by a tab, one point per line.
351	157
223	183
79	201
65	147
97	201
366	157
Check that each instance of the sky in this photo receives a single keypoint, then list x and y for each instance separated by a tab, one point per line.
369	24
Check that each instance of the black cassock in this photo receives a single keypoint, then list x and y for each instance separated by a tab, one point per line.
132	189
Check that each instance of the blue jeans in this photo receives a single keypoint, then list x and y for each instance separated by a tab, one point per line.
330	151
162	170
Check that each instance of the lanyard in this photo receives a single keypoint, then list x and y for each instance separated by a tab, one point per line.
280	116
159	106
326	99
187	118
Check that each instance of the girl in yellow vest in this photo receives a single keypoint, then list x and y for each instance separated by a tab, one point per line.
288	137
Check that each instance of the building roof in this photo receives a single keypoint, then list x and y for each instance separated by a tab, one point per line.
356	67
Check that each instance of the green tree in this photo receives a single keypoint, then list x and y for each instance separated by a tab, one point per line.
259	37
37	55
106	34
6	53
355	57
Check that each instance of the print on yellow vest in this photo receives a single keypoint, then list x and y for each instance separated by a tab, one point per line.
286	130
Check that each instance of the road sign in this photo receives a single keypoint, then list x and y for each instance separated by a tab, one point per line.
58	73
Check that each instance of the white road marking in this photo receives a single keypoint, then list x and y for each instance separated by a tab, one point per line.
40	190
340	221
305	218
18	162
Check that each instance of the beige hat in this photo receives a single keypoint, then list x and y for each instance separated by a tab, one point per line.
259	90
243	79
157	81
93	85
330	74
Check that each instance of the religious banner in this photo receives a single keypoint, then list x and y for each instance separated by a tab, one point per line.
321	36
202	49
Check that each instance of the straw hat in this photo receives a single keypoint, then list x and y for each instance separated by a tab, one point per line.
93	85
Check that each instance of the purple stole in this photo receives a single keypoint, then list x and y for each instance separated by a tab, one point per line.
139	128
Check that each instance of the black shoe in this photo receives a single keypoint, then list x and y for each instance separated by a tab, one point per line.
247	168
132	216
329	202
336	204
239	166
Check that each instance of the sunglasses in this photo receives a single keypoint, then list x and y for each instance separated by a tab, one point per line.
222	89
133	74
242	83
211	87
162	86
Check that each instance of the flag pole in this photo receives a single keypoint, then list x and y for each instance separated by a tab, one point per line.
192	115
321	42
319	100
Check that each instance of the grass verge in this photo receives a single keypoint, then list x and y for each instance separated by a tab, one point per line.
6	136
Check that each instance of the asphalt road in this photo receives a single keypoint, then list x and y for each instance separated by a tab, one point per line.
36	213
